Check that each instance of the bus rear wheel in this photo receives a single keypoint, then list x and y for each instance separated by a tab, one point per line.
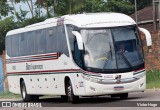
64	98
71	97
24	94
35	97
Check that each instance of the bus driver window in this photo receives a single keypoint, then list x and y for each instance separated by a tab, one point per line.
121	48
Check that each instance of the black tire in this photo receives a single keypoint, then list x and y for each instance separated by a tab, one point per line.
71	97
25	96
35	97
114	95
64	98
124	96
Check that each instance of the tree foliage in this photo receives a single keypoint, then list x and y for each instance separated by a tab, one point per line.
4	8
5	25
122	6
141	3
94	6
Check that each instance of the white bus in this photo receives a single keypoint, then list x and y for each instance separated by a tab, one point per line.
77	55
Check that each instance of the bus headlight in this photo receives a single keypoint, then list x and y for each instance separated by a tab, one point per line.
139	76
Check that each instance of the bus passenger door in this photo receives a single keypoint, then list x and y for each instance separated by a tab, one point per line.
79	82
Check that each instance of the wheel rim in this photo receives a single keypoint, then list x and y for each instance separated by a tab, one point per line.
69	93
23	92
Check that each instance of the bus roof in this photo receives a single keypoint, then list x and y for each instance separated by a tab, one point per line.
85	20
101	20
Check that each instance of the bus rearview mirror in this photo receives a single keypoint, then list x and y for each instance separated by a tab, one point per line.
79	39
148	38
147	35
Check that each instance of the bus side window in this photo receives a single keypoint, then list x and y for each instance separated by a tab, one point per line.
22	44
15	50
40	41
62	42
51	40
9	45
30	43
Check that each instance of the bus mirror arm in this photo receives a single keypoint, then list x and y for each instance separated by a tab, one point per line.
79	39
148	38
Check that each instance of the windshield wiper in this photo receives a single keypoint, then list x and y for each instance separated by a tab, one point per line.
110	49
109	53
126	60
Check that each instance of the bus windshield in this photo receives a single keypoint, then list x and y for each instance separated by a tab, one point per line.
112	50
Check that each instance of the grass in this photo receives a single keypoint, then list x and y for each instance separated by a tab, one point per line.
153	79
8	95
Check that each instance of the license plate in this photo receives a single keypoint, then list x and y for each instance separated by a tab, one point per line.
119	88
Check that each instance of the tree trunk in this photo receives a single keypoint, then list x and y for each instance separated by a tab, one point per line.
54	7
13	7
39	11
30	7
47	9
70	6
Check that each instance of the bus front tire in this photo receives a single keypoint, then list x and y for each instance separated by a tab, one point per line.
71	97
25	96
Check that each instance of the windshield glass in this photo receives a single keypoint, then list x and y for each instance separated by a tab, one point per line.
112	49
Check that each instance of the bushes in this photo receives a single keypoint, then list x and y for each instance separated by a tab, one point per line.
153	79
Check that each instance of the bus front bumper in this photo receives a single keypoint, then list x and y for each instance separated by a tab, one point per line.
93	88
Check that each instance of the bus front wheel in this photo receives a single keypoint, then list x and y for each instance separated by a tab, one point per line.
71	97
24	94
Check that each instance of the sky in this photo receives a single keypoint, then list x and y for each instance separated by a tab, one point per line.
24	7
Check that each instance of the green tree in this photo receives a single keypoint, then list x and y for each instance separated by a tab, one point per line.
30	21
4	8
28	2
5	25
94	6
62	7
141	3
122	6
21	16
45	4
30	5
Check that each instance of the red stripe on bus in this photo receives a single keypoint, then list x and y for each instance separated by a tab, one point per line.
32	72
139	69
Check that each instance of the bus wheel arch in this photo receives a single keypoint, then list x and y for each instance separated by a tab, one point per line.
69	91
21	79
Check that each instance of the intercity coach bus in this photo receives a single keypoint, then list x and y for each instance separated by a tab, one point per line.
77	55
